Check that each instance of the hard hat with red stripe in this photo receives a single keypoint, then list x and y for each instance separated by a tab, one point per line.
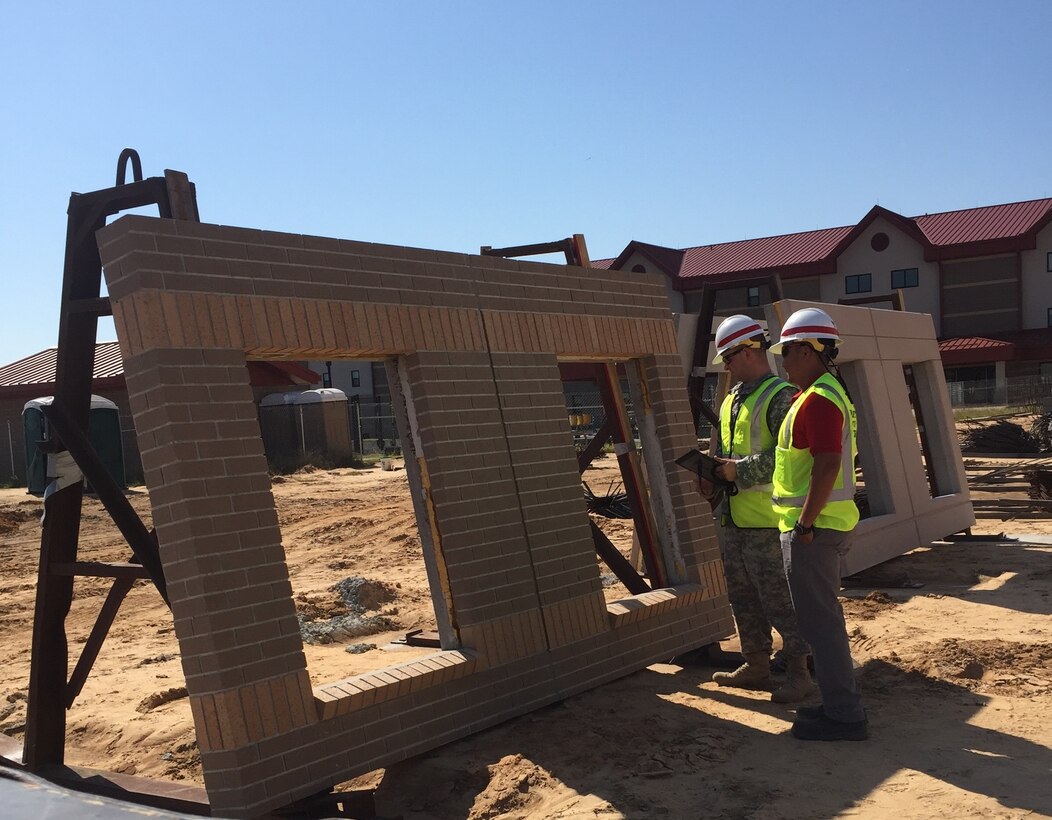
735	331
812	325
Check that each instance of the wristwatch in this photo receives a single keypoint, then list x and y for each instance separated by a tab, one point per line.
802	530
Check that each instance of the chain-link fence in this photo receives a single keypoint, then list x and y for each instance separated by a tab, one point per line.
374	429
1028	391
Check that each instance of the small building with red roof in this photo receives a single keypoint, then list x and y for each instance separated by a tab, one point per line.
34	377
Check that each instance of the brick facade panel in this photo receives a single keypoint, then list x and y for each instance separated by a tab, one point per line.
477	339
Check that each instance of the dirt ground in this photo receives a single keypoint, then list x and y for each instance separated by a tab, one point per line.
955	656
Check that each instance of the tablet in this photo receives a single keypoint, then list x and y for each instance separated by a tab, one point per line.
701	464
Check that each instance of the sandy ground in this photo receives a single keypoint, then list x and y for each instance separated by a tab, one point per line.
956	667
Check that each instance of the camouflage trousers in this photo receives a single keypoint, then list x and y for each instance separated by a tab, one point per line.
758	590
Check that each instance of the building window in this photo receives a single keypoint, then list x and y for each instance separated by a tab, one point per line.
356	378
905	278
862	283
638	269
1048	262
752	298
879	242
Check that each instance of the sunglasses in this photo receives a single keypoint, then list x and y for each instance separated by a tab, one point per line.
788	346
728	356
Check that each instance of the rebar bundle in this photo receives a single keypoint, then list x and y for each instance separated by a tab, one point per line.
612	505
1000	437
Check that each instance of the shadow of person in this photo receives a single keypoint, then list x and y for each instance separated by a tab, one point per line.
1012	574
666	742
942	736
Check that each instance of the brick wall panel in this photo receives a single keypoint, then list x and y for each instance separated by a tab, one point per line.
477	339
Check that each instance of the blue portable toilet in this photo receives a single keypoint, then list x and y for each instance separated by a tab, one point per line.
104	433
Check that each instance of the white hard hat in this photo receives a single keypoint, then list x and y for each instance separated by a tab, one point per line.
734	331
807	325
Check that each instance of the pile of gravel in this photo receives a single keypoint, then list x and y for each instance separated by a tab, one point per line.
359	595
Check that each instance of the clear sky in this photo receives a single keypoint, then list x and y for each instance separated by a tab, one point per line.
452	125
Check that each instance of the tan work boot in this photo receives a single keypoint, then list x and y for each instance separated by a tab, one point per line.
755	673
798	684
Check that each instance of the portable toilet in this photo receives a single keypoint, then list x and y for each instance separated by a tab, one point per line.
104	433
323	422
277	425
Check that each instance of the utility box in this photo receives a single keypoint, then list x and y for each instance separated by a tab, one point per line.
104	433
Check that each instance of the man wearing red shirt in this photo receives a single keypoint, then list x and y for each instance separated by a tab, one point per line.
814	483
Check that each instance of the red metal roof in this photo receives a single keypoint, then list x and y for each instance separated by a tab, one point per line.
948	235
40	367
975	350
785	251
972	343
280	374
981	224
38	371
1034	344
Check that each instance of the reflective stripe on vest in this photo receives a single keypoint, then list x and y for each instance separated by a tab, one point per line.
792	474
751	508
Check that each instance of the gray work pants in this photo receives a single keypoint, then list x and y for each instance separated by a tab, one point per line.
813	571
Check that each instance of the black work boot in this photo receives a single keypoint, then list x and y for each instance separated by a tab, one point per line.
824	727
810	712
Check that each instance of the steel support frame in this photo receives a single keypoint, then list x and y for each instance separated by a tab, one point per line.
631	471
82	303
573	248
604	547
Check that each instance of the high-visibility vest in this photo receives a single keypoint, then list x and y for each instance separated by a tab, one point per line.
751	507
792	465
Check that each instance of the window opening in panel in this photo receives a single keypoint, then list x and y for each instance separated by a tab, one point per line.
615	493
349	527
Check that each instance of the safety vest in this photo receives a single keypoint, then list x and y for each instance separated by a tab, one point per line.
792	466
751	507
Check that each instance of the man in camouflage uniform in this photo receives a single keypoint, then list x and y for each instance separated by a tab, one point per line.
747	528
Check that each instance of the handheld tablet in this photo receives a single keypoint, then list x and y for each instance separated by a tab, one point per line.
701	464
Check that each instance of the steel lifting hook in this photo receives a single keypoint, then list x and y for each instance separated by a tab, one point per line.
122	166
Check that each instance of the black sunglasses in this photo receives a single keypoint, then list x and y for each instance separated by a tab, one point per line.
728	356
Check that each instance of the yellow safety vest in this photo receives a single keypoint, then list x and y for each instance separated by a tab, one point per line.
792	466
751	507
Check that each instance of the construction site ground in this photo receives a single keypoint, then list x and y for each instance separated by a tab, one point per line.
954	644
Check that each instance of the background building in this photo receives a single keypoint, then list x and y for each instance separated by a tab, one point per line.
984	275
34	377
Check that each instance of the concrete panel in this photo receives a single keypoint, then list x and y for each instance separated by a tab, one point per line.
877	345
900	324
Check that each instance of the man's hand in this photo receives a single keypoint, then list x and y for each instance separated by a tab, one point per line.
705	488
805	537
727	469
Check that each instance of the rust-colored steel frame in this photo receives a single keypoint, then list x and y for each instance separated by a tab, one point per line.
573	248
631	473
50	692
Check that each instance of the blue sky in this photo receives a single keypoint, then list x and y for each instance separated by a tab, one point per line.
453	125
